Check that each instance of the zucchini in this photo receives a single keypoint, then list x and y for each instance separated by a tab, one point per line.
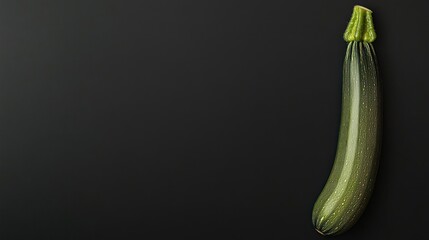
350	184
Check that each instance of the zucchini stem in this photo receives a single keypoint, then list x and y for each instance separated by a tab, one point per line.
360	27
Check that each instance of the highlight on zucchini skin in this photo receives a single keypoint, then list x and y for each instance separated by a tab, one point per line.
350	184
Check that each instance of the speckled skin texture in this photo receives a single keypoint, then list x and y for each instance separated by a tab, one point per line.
351	181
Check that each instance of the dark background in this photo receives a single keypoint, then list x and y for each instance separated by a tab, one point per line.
198	119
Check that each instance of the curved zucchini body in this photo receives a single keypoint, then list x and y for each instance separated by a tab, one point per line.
351	181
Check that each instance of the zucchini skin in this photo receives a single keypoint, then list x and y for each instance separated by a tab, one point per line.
350	184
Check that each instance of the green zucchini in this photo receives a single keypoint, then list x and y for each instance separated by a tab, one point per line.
350	184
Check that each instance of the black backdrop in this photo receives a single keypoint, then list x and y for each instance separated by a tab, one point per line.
198	119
